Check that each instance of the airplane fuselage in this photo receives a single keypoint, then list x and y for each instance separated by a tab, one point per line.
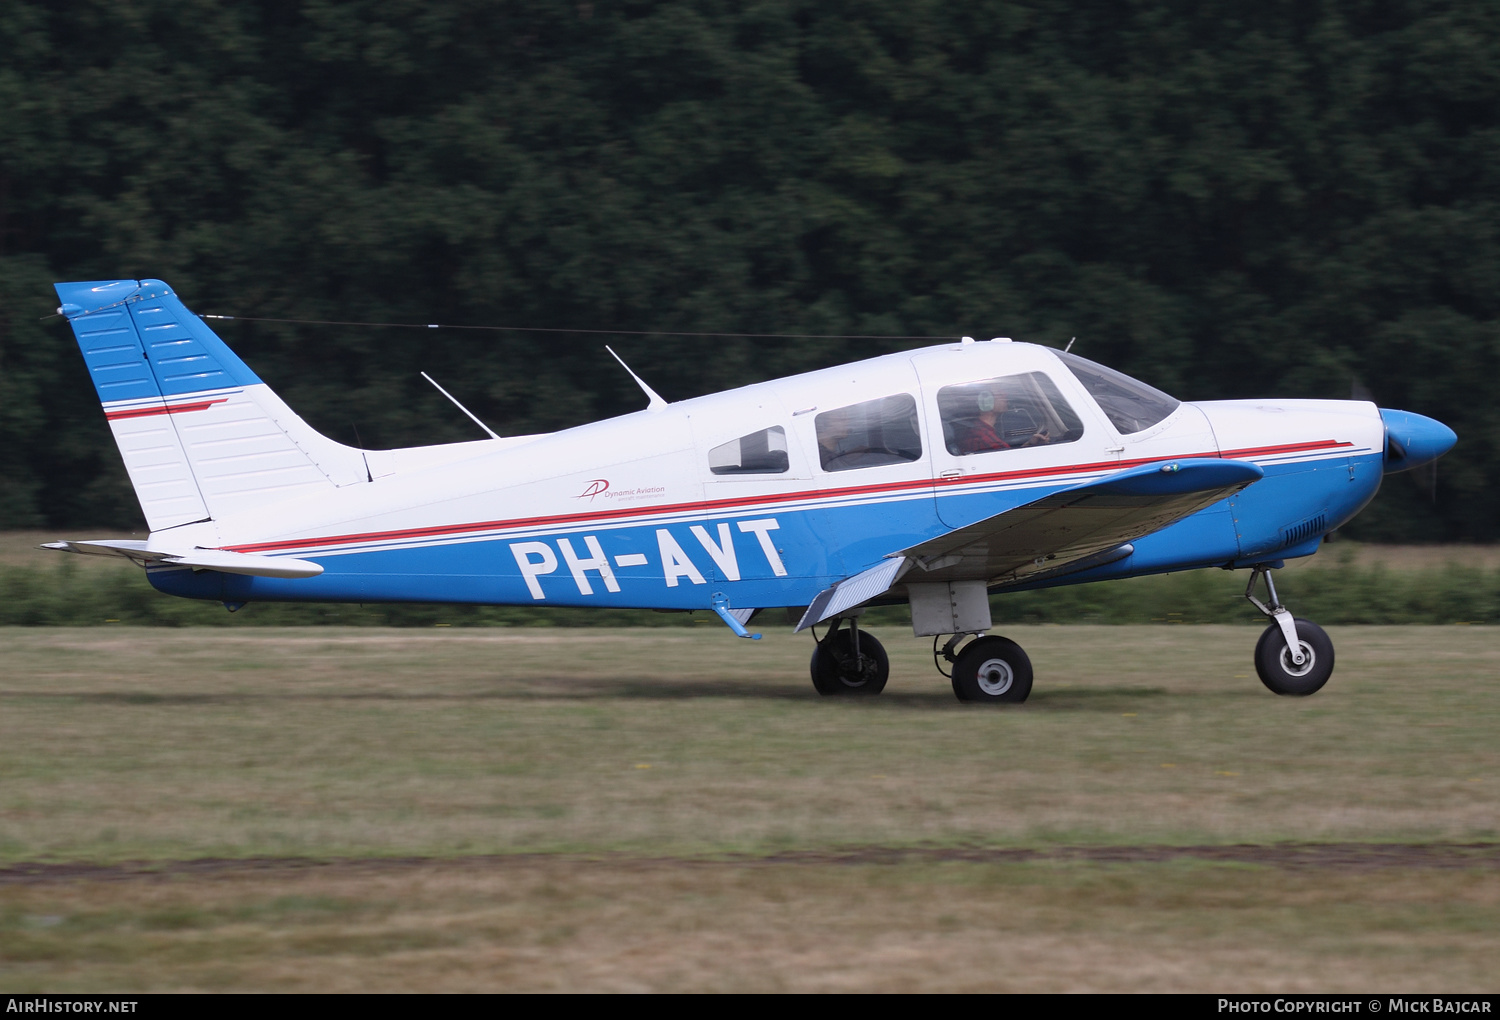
631	511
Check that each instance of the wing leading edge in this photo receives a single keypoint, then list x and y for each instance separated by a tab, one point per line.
1072	529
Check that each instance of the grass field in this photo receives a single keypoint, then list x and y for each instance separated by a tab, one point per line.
675	809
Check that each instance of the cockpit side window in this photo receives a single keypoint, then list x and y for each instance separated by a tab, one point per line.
1129	404
1005	414
759	453
883	431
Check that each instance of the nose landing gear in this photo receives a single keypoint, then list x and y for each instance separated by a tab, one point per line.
1293	657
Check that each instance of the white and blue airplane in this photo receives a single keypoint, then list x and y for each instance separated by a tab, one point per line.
934	477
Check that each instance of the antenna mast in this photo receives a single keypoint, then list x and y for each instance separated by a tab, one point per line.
461	407
656	402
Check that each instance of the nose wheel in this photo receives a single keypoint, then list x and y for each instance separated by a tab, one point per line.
1293	657
1278	671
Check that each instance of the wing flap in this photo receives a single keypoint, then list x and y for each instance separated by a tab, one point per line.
852	591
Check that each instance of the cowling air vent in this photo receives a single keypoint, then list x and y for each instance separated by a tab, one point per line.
1299	533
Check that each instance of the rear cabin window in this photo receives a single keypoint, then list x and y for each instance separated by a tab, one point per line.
1007	413
1129	404
759	453
876	432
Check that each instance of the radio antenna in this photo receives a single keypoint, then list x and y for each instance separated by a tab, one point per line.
656	402
1070	346
461	407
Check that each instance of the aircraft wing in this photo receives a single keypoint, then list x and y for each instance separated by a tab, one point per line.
1073	529
198	559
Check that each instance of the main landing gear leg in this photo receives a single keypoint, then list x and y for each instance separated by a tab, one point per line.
989	670
1293	657
849	661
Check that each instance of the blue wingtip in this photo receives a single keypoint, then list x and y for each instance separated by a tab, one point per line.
1197	474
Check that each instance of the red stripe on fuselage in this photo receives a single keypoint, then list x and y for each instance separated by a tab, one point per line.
1271	451
447	530
146	412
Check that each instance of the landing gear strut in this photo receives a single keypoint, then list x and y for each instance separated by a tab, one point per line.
1293	657
989	670
849	661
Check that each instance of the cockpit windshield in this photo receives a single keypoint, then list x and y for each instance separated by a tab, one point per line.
1129	404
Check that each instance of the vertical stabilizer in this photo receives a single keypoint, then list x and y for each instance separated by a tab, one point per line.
201	435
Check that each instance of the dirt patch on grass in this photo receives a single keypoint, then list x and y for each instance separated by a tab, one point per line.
1338	856
1327	856
863	919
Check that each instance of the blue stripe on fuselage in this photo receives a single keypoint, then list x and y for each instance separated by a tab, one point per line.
817	546
813	547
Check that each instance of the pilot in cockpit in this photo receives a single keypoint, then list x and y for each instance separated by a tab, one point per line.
989	431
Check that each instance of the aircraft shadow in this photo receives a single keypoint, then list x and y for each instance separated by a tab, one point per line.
1094	699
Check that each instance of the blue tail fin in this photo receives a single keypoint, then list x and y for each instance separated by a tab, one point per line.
202	437
140	341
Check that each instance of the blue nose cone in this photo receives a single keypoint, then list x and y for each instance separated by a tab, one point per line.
1412	440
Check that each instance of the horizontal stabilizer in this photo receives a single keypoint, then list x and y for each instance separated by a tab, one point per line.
198	559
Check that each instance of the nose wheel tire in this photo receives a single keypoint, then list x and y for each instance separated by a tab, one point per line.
992	670
1273	660
836	670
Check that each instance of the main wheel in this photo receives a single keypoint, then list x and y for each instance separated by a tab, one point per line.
837	670
992	670
1273	660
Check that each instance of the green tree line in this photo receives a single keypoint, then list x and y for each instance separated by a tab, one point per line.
1343	592
1223	198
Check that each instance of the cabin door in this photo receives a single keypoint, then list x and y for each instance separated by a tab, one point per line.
1001	433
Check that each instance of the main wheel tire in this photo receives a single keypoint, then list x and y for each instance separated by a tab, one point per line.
992	670
1273	660
836	669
